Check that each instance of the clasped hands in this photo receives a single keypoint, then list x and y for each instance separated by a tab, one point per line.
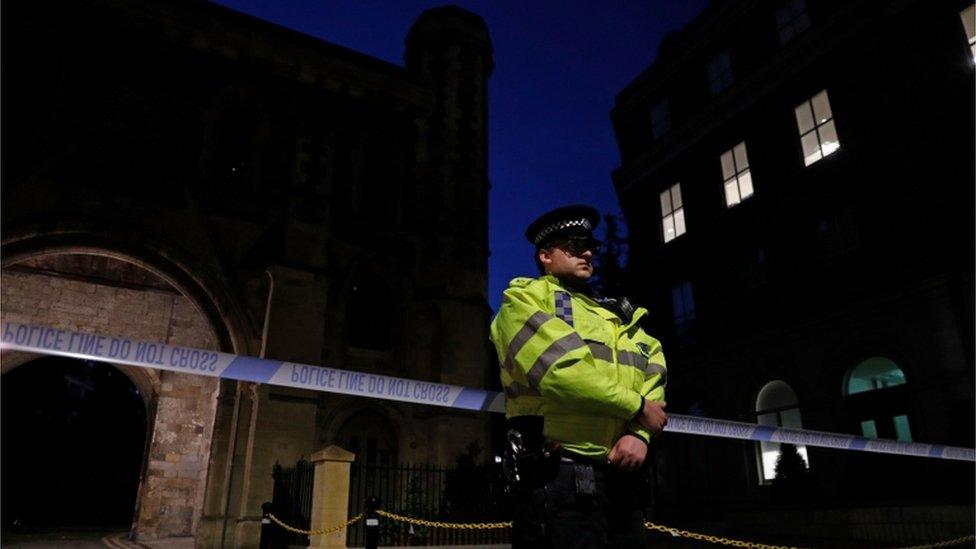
628	452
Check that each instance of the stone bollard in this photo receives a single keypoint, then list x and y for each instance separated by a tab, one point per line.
330	495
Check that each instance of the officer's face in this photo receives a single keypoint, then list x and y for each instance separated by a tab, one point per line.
567	261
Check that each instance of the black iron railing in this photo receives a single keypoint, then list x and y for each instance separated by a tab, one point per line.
292	502
459	494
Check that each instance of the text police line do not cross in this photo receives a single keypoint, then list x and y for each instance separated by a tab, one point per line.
120	350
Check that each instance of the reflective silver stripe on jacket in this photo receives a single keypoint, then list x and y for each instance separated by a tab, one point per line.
655	368
525	333
627	358
560	347
600	351
515	390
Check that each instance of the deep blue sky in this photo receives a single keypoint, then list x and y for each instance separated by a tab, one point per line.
558	66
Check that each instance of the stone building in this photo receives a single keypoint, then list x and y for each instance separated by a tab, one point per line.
797	179
183	173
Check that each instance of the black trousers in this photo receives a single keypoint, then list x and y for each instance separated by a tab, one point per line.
551	514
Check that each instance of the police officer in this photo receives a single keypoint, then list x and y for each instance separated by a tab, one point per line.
580	374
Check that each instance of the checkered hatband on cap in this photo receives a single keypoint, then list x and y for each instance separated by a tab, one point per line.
566	222
561	225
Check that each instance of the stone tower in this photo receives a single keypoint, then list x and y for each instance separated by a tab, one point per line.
449	50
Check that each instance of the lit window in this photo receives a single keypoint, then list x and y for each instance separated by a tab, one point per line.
719	71
818	136
969	25
791	20
736	174
776	406
683	303
873	374
672	213
876	391
902	431
660	119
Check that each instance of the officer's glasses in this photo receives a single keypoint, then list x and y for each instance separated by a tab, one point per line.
576	246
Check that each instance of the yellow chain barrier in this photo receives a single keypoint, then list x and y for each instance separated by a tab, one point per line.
946	543
712	539
750	545
649	525
448	525
322	532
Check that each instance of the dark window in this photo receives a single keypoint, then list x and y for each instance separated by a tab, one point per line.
719	71
373	429
791	20
839	233
368	306
660	119
683	304
235	144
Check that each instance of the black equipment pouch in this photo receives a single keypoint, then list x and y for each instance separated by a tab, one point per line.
521	461
621	307
585	479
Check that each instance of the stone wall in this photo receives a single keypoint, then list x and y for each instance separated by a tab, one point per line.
174	475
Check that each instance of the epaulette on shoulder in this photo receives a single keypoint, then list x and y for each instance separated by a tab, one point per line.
521	282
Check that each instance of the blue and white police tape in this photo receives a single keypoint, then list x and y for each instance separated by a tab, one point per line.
119	350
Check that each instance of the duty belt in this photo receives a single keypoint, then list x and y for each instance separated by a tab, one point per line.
517	457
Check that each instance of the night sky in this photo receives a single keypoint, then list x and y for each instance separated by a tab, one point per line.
558	66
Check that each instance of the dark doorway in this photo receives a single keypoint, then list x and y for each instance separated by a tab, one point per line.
73	436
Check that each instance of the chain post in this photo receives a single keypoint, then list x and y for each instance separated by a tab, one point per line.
372	538
266	526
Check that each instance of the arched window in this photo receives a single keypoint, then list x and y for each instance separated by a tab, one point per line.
237	127
235	146
876	393
873	374
776	406
368	306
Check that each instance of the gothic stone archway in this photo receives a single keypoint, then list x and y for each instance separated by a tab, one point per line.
110	295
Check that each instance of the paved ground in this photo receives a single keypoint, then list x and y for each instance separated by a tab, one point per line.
118	540
88	540
51	540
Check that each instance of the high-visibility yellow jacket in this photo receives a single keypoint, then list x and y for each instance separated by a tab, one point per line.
575	363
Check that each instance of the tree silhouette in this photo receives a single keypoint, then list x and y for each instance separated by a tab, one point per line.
790	464
608	278
793	482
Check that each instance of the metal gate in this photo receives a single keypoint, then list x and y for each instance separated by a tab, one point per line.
292	503
466	493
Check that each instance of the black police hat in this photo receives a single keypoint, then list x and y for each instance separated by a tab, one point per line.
566	222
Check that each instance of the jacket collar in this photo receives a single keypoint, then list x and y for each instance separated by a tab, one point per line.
639	312
561	285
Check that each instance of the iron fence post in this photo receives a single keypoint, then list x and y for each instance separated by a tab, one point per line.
266	526
372	523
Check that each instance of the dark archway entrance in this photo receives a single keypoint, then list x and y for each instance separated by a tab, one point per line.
73	437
